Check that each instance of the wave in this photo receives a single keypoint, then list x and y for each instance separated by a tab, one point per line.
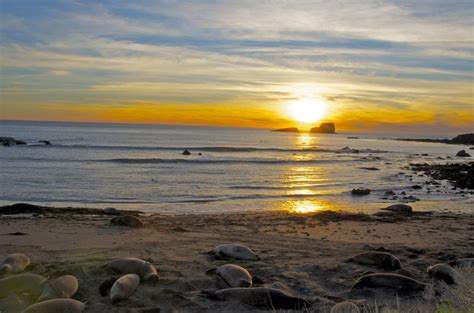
198	149
227	161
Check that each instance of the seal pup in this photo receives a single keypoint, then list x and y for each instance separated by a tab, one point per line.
464	263
377	259
124	287
142	268
56	306
345	307
260	297
443	272
63	287
21	283
233	275
390	281
14	263
234	251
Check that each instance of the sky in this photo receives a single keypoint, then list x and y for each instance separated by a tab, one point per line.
379	65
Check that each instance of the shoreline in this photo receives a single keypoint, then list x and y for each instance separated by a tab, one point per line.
303	254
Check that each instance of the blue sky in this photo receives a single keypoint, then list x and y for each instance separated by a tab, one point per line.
240	61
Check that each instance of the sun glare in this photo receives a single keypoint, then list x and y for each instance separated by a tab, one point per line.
307	110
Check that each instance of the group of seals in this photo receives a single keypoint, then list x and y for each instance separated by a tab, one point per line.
134	270
50	295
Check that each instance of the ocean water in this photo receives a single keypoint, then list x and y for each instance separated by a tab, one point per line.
229	169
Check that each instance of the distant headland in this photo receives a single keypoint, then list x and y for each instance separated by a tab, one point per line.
324	128
462	139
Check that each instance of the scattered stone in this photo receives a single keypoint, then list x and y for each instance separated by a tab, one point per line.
112	211
461	175
360	192
463	154
416	187
127	220
186	152
46	142
10	141
370	168
390	193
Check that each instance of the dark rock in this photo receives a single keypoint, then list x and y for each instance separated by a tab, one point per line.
390	193
20	208
46	142
18	233
287	130
324	128
352	137
186	152
459	174
463	154
370	168
360	192
112	211
127	220
399	208
10	141
416	187
464	139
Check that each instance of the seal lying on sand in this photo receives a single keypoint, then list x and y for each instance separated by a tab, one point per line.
378	259
124	287
14	263
345	307
233	275
21	283
60	288
127	220
464	263
234	251
390	281
443	272
142	268
56	306
260	297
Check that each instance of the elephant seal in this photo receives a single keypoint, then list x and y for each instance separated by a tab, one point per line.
21	283
233	275
345	307
234	251
261	297
14	263
127	220
56	306
124	287
443	272
378	259
464	263
390	281
63	287
142	268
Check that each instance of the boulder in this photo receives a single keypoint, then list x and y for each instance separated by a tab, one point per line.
287	130
463	154
112	211
399	208
360	192
324	128
186	152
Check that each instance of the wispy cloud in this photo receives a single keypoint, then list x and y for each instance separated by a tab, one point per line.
366	58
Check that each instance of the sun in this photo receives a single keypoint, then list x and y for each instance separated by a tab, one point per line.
307	110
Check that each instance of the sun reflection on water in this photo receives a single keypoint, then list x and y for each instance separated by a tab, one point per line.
303	206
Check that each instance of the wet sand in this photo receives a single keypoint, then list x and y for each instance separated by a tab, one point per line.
303	254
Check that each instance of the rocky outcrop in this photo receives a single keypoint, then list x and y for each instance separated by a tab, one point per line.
463	154
287	130
324	128
10	141
360	192
460	175
462	139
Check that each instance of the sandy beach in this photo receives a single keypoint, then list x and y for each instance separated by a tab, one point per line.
302	254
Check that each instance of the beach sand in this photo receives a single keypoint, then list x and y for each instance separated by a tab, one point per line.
303	254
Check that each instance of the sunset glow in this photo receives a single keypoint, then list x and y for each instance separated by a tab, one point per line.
307	110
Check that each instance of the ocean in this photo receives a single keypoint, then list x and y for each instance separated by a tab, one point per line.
229	170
